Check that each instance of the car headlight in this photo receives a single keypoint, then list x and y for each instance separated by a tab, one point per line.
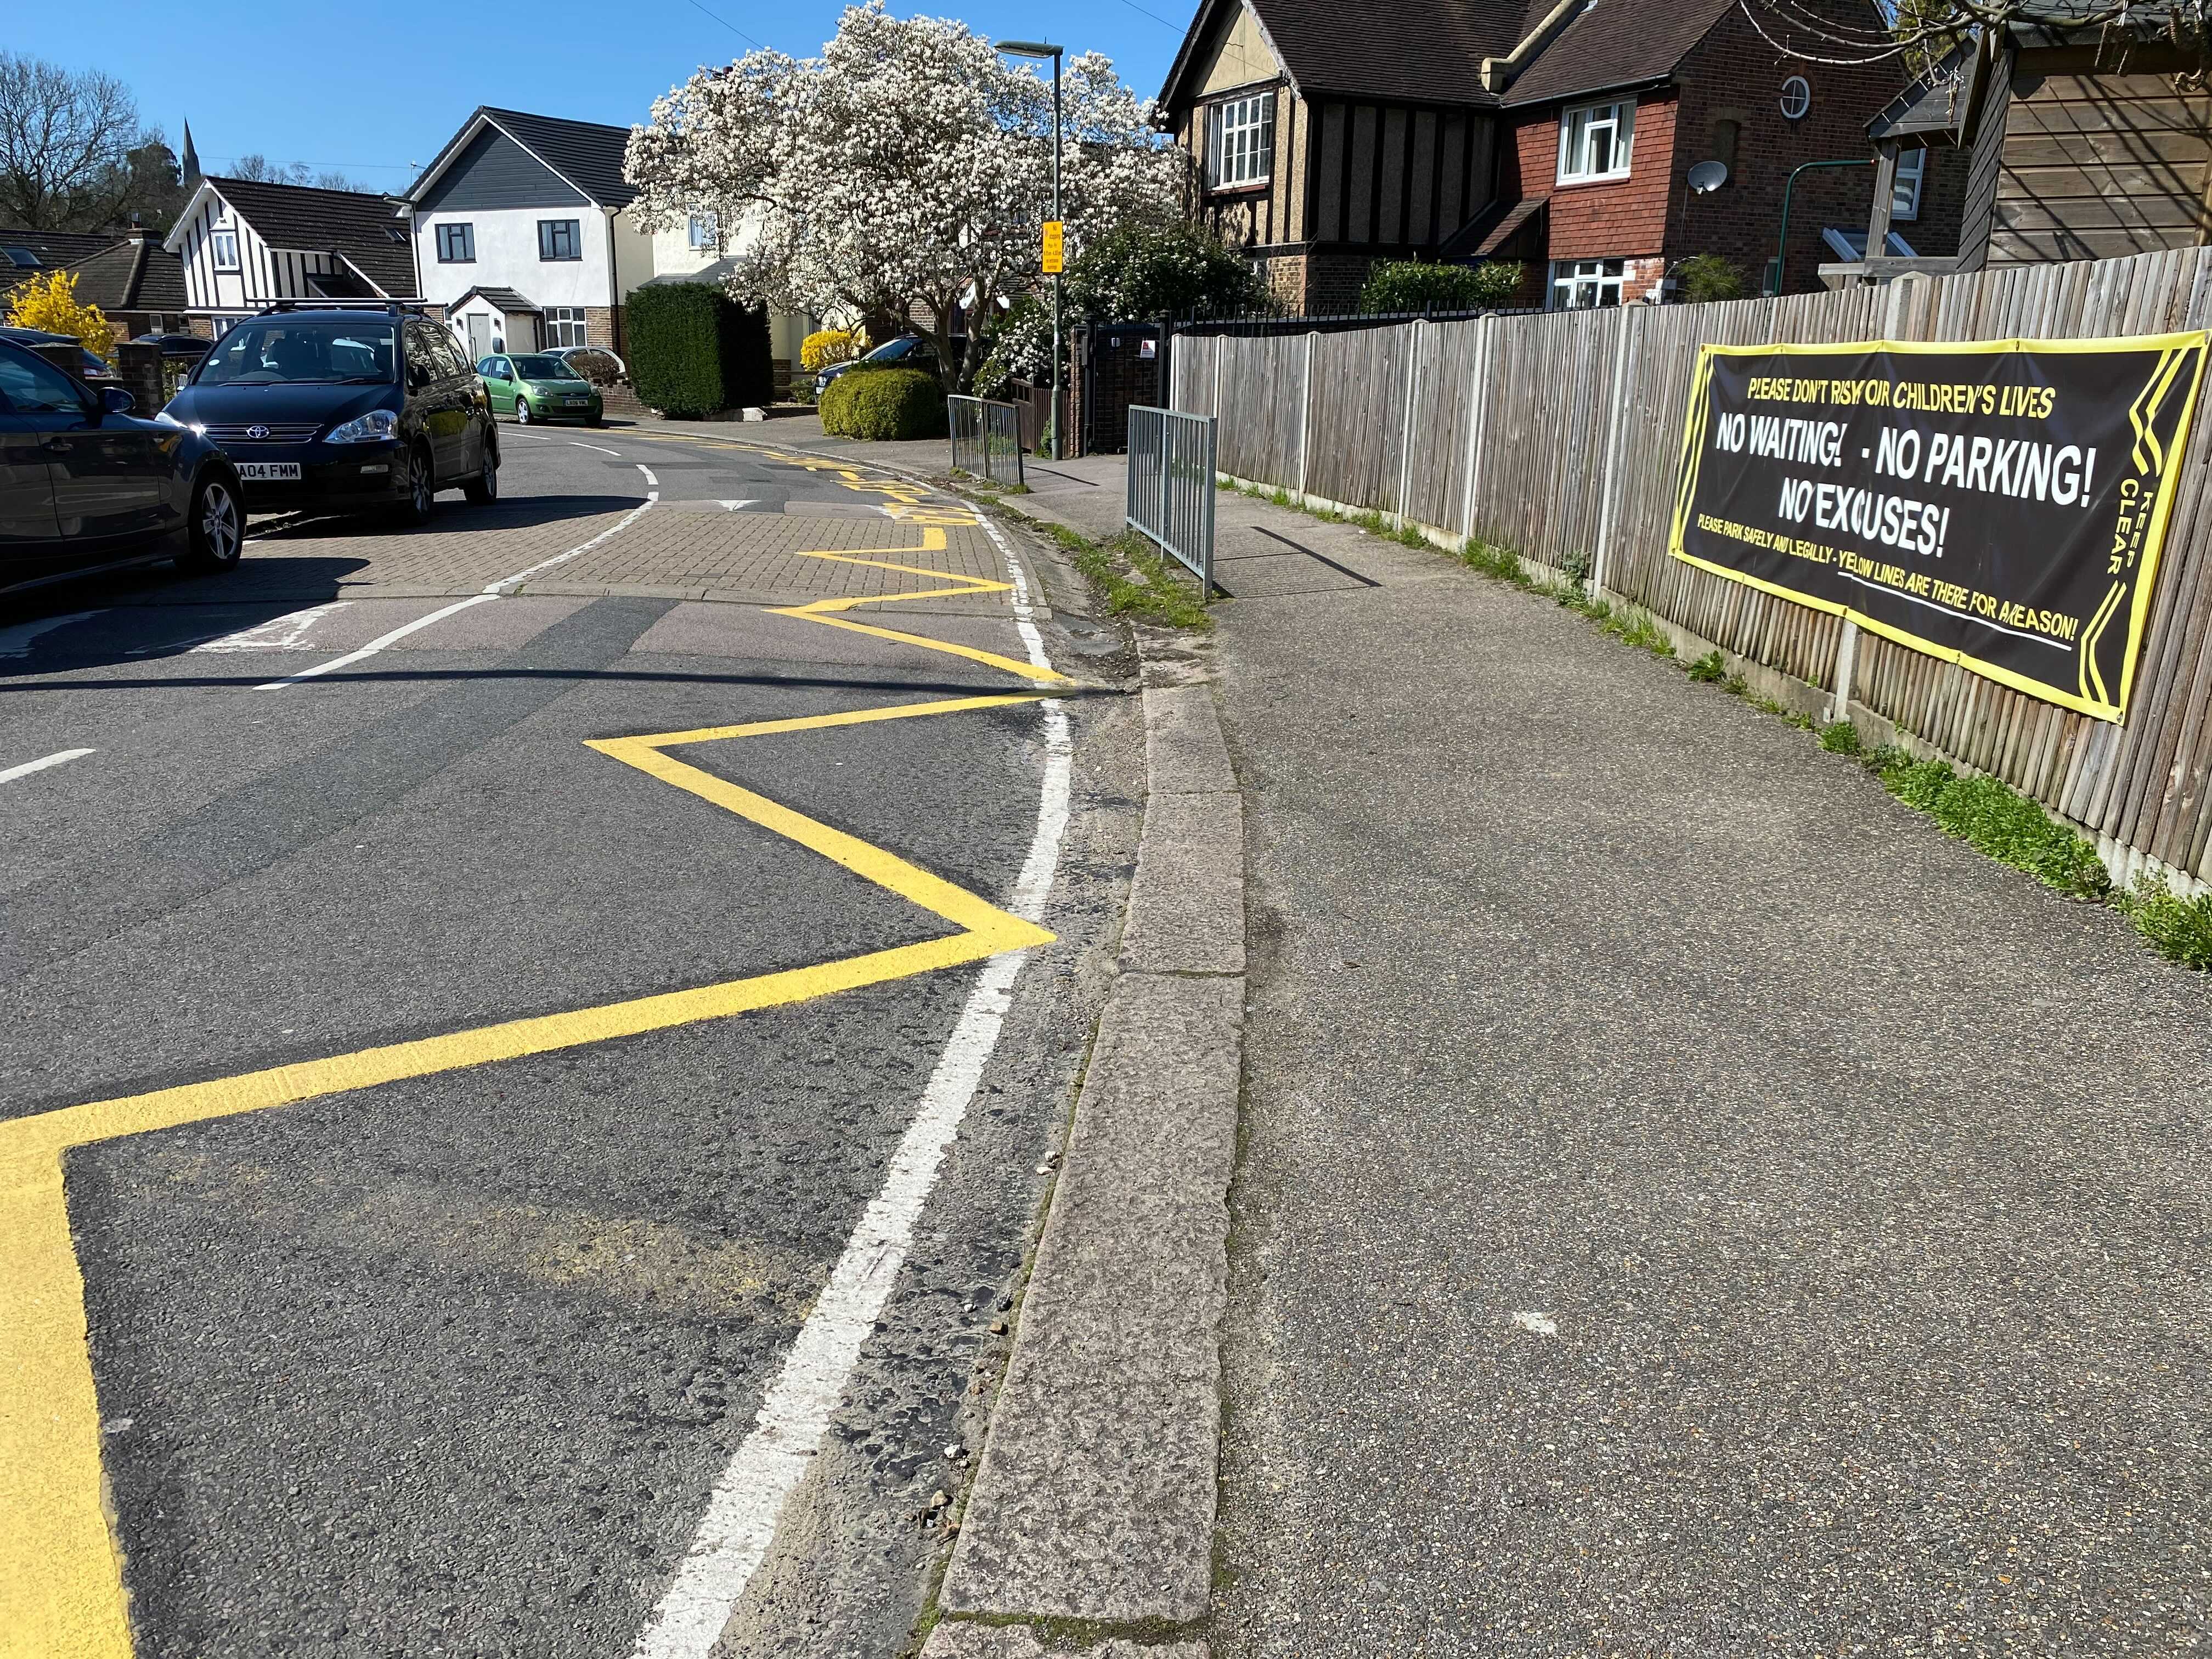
378	426
164	418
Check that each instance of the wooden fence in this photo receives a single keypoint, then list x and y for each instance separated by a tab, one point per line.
1557	435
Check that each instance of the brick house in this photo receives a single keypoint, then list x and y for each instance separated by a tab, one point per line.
1560	135
137	283
1609	116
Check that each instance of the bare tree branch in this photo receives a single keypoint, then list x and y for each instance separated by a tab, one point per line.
65	139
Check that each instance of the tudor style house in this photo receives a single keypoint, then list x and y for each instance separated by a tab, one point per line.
246	243
1558	134
522	232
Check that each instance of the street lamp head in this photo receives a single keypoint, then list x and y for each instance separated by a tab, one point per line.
1028	49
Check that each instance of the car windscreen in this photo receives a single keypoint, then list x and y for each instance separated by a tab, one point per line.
287	351
891	350
542	368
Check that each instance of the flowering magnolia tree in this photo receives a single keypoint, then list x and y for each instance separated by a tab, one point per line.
907	163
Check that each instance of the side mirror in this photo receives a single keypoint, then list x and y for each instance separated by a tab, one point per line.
116	401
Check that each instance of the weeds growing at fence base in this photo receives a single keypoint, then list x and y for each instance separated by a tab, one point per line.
2181	928
1135	579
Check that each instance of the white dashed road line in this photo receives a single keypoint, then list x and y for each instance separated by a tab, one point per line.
16	641
28	766
502	589
580	444
286	633
747	1502
647	470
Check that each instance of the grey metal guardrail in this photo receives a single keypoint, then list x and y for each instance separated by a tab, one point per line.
987	439
1171	477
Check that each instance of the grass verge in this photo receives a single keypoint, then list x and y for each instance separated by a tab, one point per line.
1129	571
1987	814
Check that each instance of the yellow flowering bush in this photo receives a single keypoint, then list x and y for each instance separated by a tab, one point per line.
50	302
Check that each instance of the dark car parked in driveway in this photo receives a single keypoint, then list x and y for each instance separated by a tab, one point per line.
85	485
342	410
85	365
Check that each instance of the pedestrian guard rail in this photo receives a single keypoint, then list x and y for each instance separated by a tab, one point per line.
1171	480
986	441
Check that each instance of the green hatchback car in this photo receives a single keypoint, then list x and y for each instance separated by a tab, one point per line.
532	387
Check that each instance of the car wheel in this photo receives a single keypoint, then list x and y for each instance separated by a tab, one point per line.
483	489
215	534
422	490
522	411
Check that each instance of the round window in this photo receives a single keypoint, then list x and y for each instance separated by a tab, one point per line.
1796	98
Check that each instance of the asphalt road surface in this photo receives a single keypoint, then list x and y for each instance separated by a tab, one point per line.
492	1101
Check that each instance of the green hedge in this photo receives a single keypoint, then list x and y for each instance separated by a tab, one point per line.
694	350
879	403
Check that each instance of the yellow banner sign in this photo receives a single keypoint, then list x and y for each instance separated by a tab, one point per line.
1052	262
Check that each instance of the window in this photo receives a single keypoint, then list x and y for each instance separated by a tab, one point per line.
1585	284
559	238
279	350
706	230
457	245
1796	98
1905	188
564	327
32	387
1594	141
224	244
1240	141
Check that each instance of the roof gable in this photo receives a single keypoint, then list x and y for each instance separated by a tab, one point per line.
352	224
585	156
1418	52
491	171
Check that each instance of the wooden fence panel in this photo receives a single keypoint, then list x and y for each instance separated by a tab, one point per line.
1522	409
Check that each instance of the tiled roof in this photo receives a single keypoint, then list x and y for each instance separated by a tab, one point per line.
1491	232
587	154
506	300
130	275
310	219
1615	43
55	247
1427	52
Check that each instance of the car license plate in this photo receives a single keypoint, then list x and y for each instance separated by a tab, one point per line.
577	403
267	472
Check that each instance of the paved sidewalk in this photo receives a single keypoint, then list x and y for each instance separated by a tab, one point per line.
1688	1204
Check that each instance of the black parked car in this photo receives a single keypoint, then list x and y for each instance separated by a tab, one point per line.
85	485
907	351
86	365
331	408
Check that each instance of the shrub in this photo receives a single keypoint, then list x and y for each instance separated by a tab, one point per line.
1402	285
884	404
599	367
694	350
1708	277
830	345
50	302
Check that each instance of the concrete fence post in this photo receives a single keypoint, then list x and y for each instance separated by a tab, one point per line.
1477	406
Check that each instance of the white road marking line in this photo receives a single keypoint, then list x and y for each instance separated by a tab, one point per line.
647	470
28	766
500	589
286	633
16	641
580	444
747	1502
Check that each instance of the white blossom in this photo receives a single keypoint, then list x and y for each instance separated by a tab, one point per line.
907	163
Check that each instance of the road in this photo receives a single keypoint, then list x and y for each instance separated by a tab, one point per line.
479	1001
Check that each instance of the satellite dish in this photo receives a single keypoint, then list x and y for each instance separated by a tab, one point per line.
1708	176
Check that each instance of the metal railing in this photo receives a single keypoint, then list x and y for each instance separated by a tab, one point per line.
1172	479
986	441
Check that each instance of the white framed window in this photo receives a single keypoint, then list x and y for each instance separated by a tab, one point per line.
706	230
1905	188
1594	141
223	245
564	327
1240	141
1796	98
1585	284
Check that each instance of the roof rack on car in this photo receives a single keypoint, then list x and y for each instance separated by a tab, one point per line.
393	307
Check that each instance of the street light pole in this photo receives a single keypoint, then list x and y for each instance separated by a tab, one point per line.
1041	49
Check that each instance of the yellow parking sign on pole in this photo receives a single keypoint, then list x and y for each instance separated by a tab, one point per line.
1053	265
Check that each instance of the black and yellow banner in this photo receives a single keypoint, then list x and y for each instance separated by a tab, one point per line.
1996	503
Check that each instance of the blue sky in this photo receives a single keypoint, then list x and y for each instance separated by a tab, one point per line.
337	86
